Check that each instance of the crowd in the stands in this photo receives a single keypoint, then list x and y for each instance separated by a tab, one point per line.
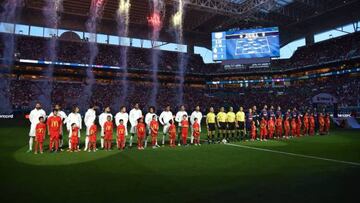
110	55
298	94
340	48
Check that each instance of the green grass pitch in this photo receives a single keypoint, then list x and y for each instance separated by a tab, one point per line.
209	173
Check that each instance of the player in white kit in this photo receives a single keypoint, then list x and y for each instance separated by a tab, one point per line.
178	119
102	119
34	116
122	115
73	117
164	119
134	115
148	119
195	114
89	120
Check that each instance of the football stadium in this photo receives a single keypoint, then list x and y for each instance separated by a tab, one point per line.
179	100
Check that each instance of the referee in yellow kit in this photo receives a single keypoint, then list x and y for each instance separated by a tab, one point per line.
240	124
210	123
221	122
231	127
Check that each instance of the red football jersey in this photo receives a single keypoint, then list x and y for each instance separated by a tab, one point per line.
40	131
327	120
299	121
271	125
75	132
287	123
54	123
93	131
121	131
321	120
108	127
263	124
172	130
278	122
154	126
184	127
196	128
140	129
306	120
312	121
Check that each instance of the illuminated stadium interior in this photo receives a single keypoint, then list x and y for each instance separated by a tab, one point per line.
273	84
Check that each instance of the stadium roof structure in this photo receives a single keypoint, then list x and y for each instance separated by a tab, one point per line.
296	18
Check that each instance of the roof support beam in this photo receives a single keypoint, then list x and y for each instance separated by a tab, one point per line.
222	6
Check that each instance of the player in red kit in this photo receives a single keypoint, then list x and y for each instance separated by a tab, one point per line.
263	129
140	130
253	130
108	133
172	133
306	124
293	127
74	139
271	127
40	135
92	137
54	126
121	135
311	125
321	124
154	128
278	127
184	129
327	123
196	132
287	127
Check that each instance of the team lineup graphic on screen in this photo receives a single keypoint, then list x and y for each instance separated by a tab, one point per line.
239	44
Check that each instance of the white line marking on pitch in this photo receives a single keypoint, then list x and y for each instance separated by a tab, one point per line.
298	155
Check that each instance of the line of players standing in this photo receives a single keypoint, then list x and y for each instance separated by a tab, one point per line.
142	127
267	124
231	126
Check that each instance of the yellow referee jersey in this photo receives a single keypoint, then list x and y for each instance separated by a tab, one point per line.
240	116
210	117
221	116
230	117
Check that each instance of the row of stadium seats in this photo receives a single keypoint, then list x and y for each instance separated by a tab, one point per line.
341	48
78	52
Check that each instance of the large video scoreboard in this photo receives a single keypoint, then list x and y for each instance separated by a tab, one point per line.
246	44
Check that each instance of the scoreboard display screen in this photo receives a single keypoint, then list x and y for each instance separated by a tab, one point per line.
246	44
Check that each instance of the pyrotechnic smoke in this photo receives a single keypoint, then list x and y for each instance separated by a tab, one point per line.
96	11
51	11
123	27
155	20
177	23
11	9
177	19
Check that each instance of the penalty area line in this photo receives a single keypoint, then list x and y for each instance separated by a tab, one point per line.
296	155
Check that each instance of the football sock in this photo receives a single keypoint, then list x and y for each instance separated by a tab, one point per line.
86	142
146	141
102	142
31	141
131	140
